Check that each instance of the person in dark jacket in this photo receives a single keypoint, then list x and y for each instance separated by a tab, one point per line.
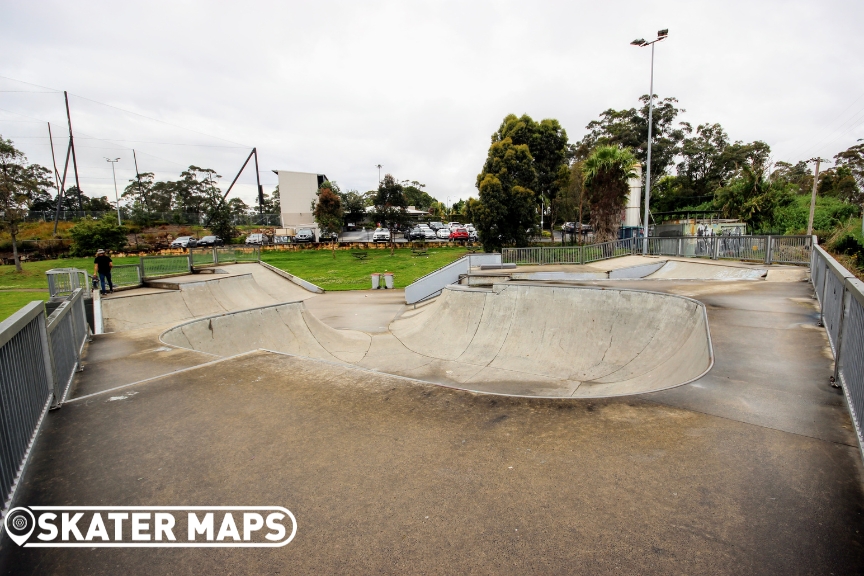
102	266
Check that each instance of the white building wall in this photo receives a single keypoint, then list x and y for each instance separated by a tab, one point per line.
297	191
632	213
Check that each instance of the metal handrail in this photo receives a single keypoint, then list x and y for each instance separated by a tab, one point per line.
841	303
26	383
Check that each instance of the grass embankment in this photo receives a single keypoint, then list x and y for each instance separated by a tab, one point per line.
346	272
14	285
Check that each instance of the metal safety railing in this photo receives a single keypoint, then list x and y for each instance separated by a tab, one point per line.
841	302
38	360
126	275
230	254
202	256
67	332
607	250
64	281
768	249
153	266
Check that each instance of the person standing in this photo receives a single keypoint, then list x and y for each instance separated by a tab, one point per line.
102	267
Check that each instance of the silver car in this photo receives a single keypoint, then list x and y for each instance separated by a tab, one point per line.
443	234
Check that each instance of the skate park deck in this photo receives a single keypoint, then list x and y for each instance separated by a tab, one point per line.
752	468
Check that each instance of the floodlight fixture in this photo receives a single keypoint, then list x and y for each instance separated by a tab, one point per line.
638	42
663	33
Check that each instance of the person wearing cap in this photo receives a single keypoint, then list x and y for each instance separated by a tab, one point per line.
102	267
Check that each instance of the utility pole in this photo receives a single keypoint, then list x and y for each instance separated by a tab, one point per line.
813	195
116	197
56	173
72	145
258	181
138	177
641	43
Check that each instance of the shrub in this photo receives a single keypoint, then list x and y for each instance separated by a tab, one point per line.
90	235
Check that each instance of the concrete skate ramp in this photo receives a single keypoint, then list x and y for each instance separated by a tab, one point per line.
192	300
515	339
678	270
656	270
288	328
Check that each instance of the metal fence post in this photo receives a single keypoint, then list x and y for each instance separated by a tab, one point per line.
215	255
191	261
715	252
768	254
582	254
141	264
838	357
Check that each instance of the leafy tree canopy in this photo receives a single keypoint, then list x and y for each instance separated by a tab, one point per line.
90	235
507	213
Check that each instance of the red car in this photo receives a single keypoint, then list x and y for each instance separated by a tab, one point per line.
459	234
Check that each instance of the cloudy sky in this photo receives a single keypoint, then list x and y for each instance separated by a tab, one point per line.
338	87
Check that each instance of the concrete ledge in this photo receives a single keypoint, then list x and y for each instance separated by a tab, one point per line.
299	281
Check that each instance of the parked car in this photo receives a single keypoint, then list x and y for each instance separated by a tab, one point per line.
429	234
459	233
416	233
443	234
210	241
304	235
184	242
568	227
436	226
257	239
281	239
329	237
381	235
452	225
472	233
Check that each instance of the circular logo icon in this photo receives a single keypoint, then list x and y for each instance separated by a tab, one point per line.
20	523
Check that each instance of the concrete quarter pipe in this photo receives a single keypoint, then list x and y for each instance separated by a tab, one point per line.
515	339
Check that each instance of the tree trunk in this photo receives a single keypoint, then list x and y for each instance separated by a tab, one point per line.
15	252
582	195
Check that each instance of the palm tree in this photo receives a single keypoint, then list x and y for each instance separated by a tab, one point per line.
606	172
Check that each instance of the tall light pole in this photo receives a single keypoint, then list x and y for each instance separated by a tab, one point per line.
116	197
379	166
641	43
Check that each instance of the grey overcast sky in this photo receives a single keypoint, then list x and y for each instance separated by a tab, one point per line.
338	87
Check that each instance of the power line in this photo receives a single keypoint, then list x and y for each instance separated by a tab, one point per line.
129	112
30	83
161	121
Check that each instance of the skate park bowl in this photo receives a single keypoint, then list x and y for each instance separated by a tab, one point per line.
657	270
193	299
513	339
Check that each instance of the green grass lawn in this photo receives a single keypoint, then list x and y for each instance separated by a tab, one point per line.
33	275
12	301
348	273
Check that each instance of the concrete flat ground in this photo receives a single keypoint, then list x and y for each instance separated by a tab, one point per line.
752	469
